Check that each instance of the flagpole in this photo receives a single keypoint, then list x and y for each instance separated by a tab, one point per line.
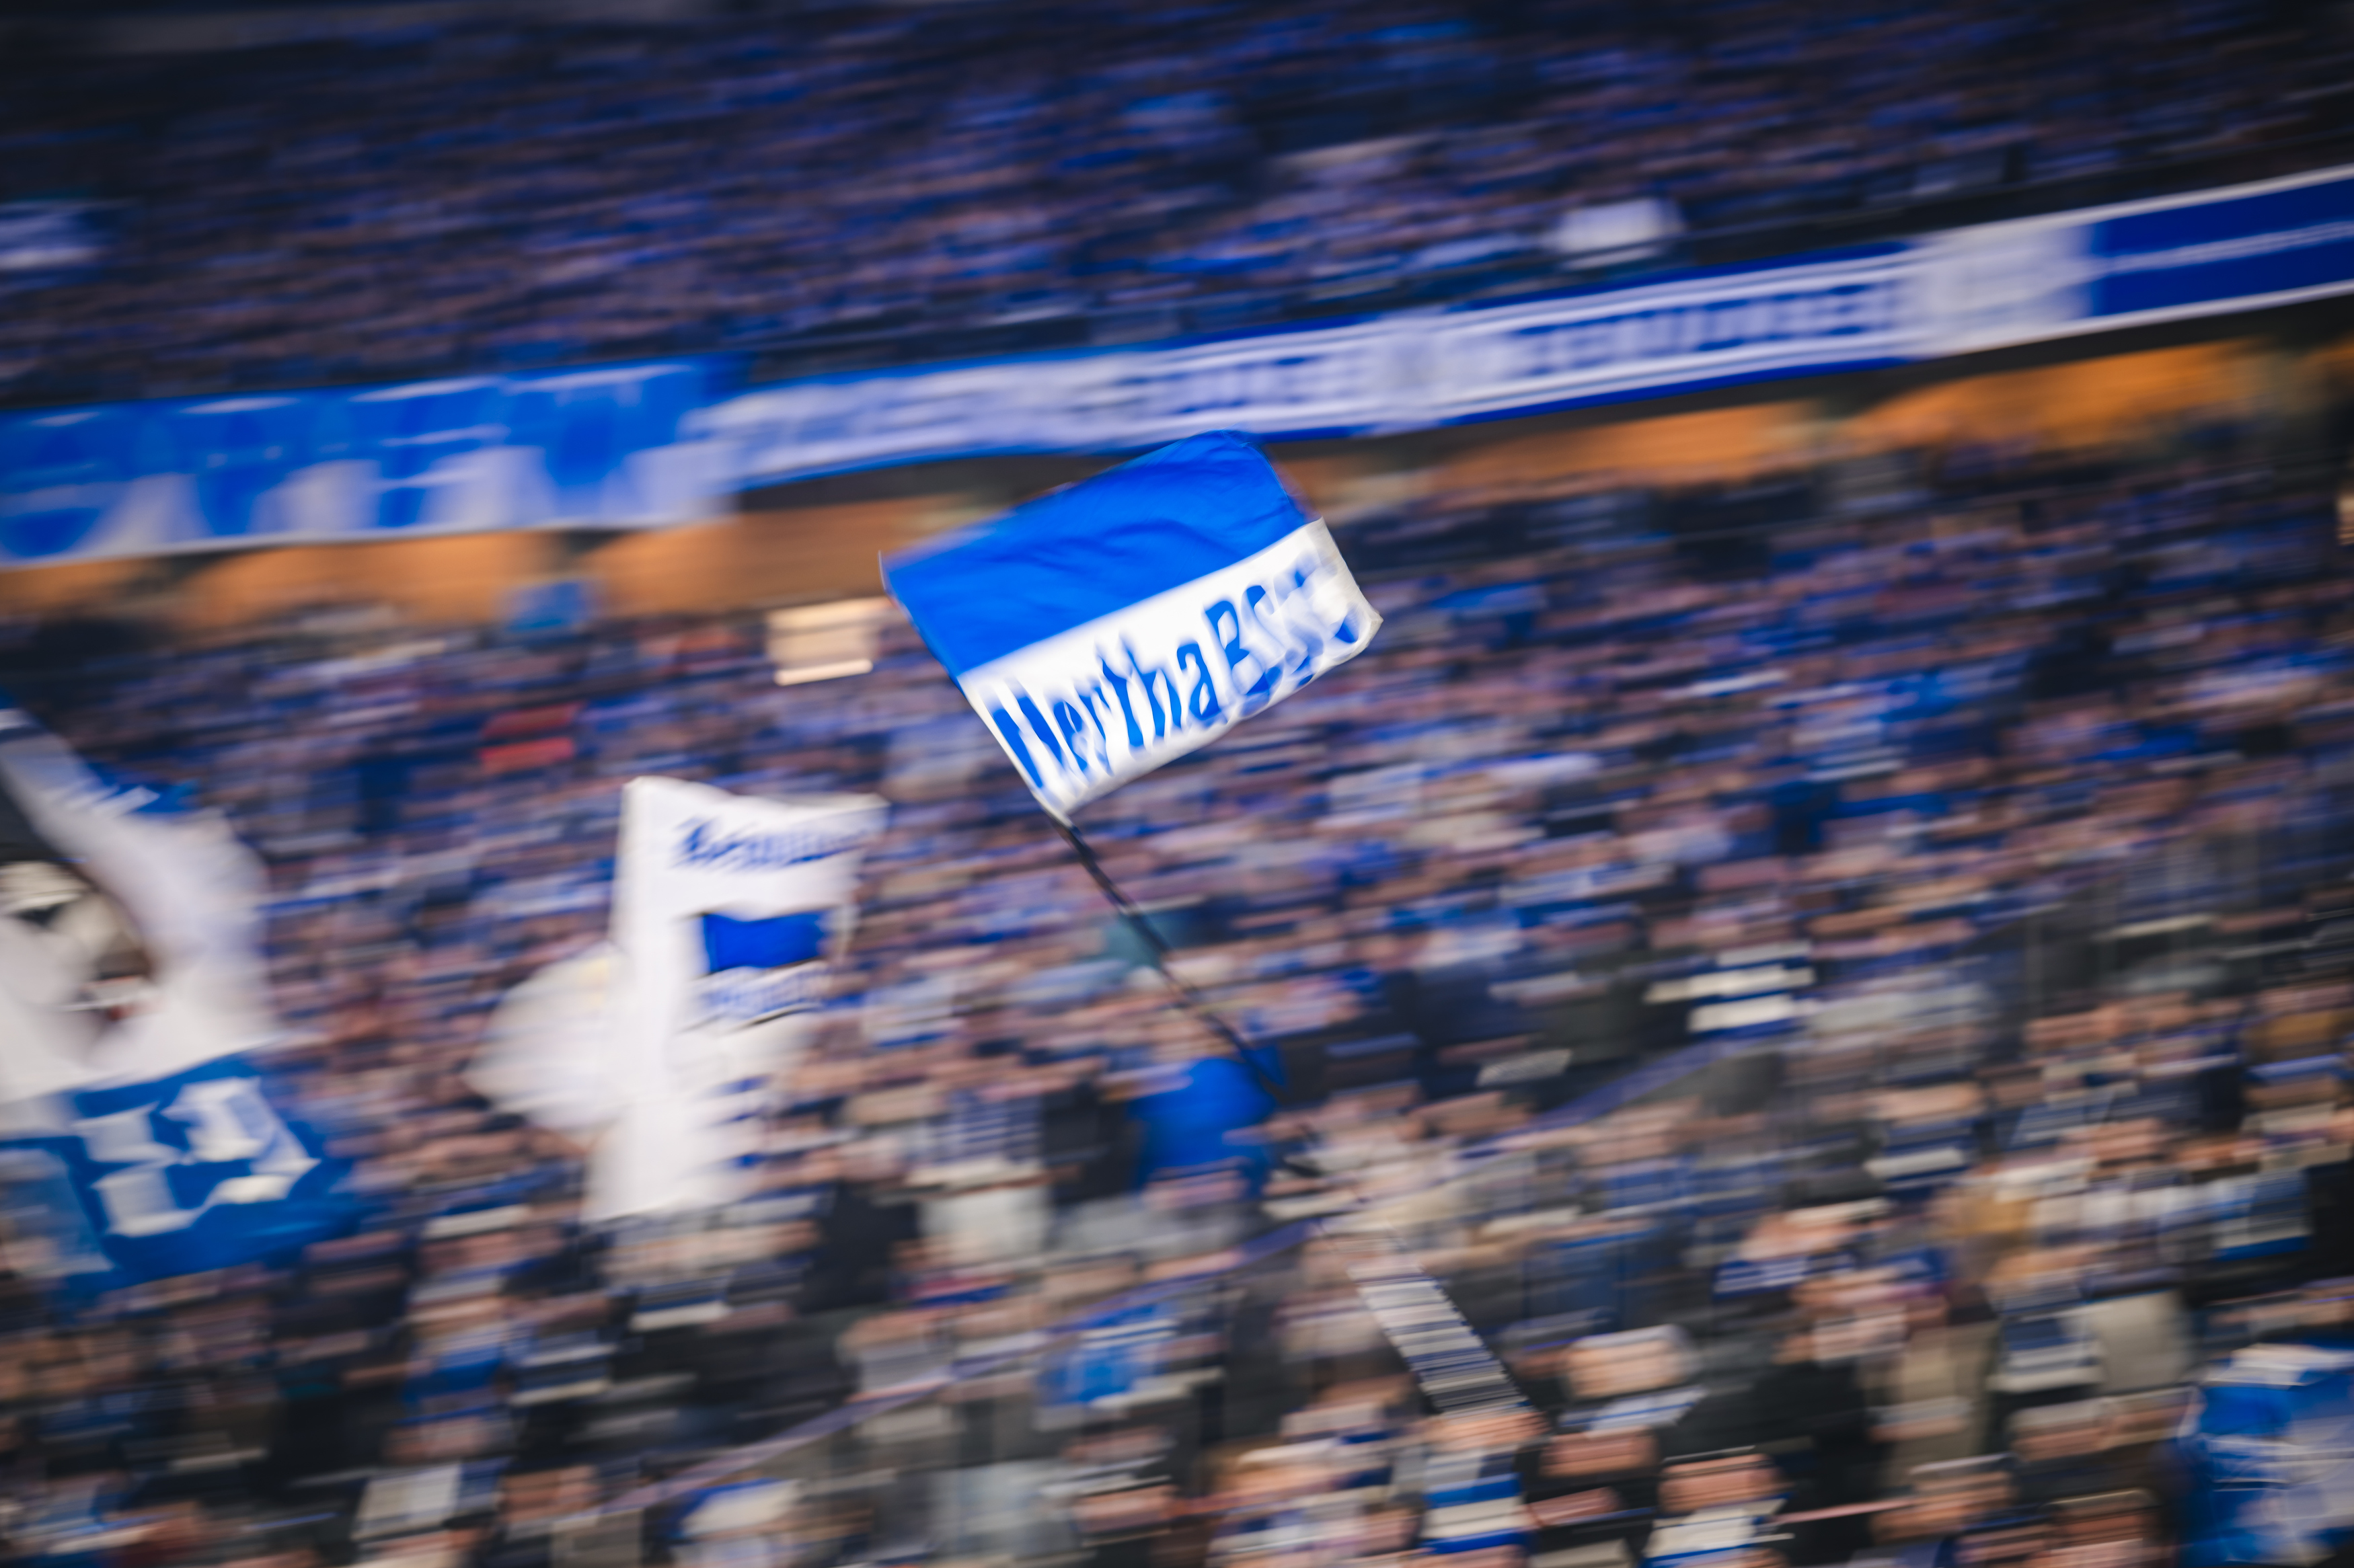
1450	1361
1157	947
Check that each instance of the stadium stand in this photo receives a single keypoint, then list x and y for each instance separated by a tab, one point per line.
1988	830
450	191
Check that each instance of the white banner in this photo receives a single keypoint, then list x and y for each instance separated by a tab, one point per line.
1403	371
659	1048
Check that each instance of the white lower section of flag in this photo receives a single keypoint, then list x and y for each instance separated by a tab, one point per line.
659	1048
1085	711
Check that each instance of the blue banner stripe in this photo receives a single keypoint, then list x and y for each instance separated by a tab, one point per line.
2274	242
1080	554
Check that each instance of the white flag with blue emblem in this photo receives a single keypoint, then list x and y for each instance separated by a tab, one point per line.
659	1049
131	991
1107	628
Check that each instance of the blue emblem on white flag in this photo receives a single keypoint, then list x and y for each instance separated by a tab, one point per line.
1117	625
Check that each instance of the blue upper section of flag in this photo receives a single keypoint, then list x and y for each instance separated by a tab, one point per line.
730	943
1080	554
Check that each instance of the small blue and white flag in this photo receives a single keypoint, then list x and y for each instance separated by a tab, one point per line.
1107	628
659	1048
141	1099
2268	1452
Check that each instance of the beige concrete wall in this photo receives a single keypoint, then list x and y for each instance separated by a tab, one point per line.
1674	448
760	558
83	588
438	581
2127	397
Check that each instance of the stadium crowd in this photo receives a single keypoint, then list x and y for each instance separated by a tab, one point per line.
1963	849
460	193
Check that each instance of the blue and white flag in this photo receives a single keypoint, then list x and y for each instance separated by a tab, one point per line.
1114	626
151	1110
659	1048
